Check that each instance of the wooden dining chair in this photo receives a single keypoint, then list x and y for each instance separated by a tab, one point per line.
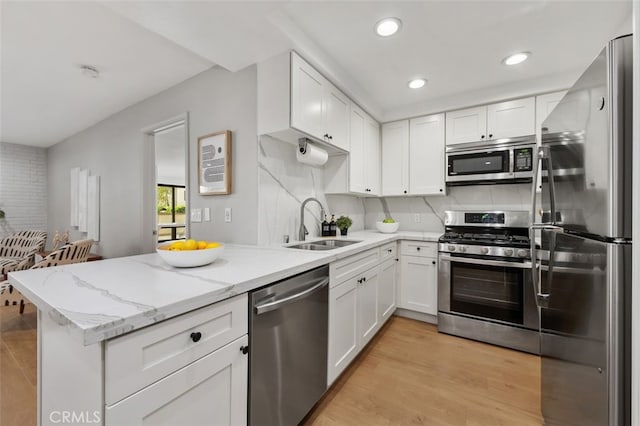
75	252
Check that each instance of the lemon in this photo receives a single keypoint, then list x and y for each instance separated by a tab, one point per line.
202	245
191	245
213	245
178	245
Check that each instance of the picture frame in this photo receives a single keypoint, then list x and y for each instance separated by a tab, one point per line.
214	163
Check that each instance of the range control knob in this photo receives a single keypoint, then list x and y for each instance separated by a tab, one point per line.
508	252
452	248
484	250
521	253
462	249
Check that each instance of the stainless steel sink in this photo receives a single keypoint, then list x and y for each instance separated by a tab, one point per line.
323	245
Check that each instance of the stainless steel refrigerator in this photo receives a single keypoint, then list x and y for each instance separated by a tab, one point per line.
581	255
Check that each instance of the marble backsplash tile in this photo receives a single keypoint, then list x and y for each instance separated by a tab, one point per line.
284	183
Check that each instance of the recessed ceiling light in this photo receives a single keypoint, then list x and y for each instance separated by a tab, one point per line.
388	26
89	71
416	83
516	58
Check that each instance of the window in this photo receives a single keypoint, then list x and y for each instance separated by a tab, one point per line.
171	209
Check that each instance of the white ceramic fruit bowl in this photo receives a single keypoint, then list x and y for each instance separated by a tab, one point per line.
387	228
188	258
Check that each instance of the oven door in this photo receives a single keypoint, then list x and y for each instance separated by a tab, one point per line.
487	288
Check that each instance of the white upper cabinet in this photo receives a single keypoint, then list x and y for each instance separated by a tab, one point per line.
307	95
496	121
295	100
372	163
467	125
336	111
359	171
511	118
395	158
426	155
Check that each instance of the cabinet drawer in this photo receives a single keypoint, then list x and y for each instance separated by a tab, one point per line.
143	357
388	251
346	268
419	248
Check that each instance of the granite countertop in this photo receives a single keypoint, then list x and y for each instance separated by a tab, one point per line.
103	299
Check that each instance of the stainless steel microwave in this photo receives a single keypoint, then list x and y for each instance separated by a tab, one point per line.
473	164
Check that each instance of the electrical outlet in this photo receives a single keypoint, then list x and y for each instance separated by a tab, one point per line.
416	218
196	215
227	214
207	214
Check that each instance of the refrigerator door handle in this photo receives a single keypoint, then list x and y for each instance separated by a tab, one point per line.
542	299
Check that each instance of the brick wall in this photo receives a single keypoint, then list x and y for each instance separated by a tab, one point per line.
23	188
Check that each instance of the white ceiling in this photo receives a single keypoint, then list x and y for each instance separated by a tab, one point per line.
144	47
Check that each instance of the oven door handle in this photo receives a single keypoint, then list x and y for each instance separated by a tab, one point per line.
488	262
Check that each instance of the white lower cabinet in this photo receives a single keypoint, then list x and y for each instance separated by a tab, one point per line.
209	391
387	289
368	319
418	290
343	327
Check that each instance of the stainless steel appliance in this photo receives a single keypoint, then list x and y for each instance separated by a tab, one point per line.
500	161
485	290
288	332
582	272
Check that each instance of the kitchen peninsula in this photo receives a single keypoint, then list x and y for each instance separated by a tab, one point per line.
132	337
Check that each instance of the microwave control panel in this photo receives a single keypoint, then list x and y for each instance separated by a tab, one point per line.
523	160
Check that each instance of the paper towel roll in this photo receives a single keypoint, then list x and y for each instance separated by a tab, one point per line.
312	155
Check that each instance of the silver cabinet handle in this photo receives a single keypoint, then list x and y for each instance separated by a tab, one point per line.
271	306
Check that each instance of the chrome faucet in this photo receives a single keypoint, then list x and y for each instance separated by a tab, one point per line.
303	229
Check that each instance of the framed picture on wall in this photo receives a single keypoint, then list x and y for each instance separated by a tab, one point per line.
214	163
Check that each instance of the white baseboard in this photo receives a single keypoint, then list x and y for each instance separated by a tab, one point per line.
418	316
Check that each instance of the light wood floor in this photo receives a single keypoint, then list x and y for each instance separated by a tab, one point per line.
408	375
412	375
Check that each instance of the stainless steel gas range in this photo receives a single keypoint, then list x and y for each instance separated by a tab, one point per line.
485	290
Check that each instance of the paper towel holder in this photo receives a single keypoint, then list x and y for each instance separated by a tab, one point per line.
302	145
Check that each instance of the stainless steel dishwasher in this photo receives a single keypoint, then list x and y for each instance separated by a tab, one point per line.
288	332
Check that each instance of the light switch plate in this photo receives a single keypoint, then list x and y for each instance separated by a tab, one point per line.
196	215
227	214
207	214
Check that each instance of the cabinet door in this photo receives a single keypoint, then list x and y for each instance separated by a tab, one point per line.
343	334
368	321
395	158
372	156
387	290
426	155
357	149
544	105
307	93
336	110
418	284
209	391
467	125
512	118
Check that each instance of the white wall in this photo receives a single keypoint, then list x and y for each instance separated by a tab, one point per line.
23	188
115	150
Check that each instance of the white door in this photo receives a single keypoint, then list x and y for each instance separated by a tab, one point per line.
343	332
395	158
372	163
418	284
210	391
544	105
357	151
307	94
467	125
387	290
336	117
426	155
368	306
511	119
